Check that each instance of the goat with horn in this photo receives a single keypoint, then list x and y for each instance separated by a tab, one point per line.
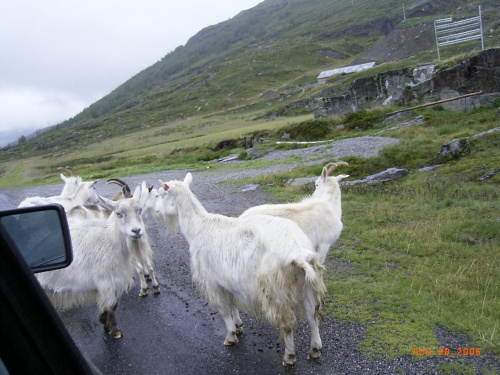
319	216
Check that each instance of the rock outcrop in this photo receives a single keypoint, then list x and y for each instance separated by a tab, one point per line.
387	175
407	86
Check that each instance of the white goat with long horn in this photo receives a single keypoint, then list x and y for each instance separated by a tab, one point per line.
319	216
71	182
84	194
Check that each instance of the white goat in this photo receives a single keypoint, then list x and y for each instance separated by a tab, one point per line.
71	182
84	194
141	249
263	264
102	268
319	216
143	254
97	211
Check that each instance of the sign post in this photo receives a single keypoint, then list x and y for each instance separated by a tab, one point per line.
449	32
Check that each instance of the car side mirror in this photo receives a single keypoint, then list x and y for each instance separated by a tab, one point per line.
41	235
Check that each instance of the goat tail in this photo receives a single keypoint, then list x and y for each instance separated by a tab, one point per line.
313	282
279	289
312	270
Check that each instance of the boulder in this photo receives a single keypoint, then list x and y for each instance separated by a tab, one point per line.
387	175
415	121
460	146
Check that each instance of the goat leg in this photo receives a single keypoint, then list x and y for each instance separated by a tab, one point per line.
236	316
142	279
152	278
115	331
290	353
108	320
313	313
231	338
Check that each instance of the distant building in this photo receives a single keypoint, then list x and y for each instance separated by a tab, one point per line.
323	76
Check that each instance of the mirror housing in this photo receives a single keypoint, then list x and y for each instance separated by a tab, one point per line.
41	235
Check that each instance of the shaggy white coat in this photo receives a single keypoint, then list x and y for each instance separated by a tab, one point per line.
102	268
142	253
263	264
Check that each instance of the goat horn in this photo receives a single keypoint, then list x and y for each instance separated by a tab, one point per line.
71	171
125	188
150	188
332	166
116	181
62	169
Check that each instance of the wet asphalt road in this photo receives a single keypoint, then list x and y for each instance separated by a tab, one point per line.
176	332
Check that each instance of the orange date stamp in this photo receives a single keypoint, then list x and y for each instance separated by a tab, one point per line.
459	352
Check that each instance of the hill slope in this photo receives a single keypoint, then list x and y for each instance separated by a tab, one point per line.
279	45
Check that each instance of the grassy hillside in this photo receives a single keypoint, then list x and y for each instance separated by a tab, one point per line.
223	71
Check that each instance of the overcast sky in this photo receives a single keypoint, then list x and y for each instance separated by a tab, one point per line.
59	56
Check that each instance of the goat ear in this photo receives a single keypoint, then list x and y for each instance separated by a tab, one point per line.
163	185
324	173
137	193
63	177
188	179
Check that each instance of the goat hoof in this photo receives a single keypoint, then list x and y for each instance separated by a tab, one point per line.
231	341
143	293
117	335
314	353
289	360
156	289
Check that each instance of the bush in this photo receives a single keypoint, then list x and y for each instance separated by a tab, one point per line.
363	119
311	130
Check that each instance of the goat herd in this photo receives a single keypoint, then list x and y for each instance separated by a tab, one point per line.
266	262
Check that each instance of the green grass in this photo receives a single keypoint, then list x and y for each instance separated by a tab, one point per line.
422	252
12	175
419	259
146	151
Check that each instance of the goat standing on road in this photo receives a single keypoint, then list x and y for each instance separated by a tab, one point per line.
141	248
319	216
102	268
263	264
71	182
